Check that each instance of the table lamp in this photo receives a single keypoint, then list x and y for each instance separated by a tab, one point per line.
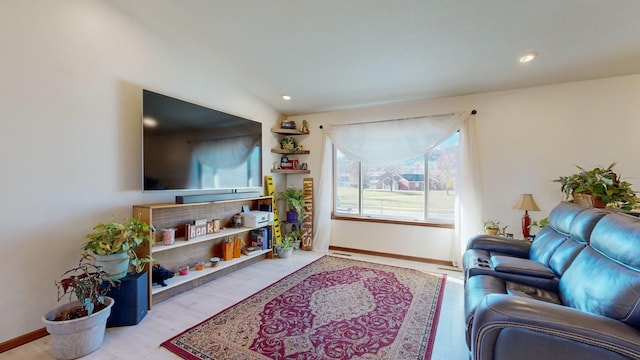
527	204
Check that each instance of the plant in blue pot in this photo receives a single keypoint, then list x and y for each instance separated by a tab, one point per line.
113	246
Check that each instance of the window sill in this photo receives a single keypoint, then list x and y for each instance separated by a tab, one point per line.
395	222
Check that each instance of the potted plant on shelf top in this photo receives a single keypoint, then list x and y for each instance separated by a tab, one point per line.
113	245
77	328
598	187
294	198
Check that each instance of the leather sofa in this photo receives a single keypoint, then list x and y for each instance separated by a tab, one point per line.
573	293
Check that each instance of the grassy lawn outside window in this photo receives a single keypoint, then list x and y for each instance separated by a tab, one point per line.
398	191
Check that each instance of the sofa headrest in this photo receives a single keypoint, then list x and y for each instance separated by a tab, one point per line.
603	279
584	223
562	216
617	236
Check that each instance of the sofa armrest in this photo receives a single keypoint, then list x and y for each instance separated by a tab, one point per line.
500	244
514	265
506	327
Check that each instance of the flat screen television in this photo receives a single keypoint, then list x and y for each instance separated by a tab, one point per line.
192	147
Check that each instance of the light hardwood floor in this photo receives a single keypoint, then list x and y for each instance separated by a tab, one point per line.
172	316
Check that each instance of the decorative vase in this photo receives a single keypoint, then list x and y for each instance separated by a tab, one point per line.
292	217
237	247
227	251
75	338
116	265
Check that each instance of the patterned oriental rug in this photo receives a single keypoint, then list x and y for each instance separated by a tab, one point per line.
333	308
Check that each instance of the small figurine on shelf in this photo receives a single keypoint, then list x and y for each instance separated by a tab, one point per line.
159	274
236	221
304	128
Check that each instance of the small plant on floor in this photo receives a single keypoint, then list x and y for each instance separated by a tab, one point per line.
287	242
88	284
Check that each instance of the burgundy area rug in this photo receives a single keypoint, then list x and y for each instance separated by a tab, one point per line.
333	308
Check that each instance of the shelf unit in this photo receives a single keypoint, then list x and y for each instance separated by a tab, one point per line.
201	249
285	171
289	132
179	280
281	151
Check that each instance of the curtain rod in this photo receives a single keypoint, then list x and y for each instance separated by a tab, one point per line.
473	112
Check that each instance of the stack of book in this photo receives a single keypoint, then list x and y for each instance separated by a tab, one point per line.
259	238
250	250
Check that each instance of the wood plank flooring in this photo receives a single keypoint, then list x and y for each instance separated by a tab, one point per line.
185	310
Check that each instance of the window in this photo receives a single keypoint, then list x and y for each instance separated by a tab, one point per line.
398	191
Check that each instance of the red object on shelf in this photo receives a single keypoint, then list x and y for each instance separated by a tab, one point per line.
526	222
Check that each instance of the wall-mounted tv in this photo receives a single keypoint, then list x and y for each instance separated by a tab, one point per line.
192	147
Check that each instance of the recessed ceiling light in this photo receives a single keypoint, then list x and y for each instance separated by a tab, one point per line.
286	97
528	57
150	122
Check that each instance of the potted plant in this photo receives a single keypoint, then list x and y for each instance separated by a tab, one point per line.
493	227
598	187
113	246
296	237
290	144
294	198
540	224
77	328
284	248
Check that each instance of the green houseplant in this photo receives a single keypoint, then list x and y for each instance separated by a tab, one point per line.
294	199
113	245
493	227
602	185
284	248
77	328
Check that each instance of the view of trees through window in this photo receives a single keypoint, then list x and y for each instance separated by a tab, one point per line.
399	190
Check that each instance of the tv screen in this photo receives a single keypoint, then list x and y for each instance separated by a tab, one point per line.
192	147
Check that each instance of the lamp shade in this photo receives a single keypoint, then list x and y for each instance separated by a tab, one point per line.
526	203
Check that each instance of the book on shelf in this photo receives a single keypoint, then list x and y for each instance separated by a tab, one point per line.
259	238
250	250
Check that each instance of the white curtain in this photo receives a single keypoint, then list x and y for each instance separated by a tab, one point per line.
393	140
322	216
381	141
469	190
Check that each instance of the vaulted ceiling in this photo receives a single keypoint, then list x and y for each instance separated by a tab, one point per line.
338	54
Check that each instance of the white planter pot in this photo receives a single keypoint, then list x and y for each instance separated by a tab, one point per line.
284	253
116	265
72	339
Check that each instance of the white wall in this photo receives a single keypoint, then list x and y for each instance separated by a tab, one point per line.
70	143
527	138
